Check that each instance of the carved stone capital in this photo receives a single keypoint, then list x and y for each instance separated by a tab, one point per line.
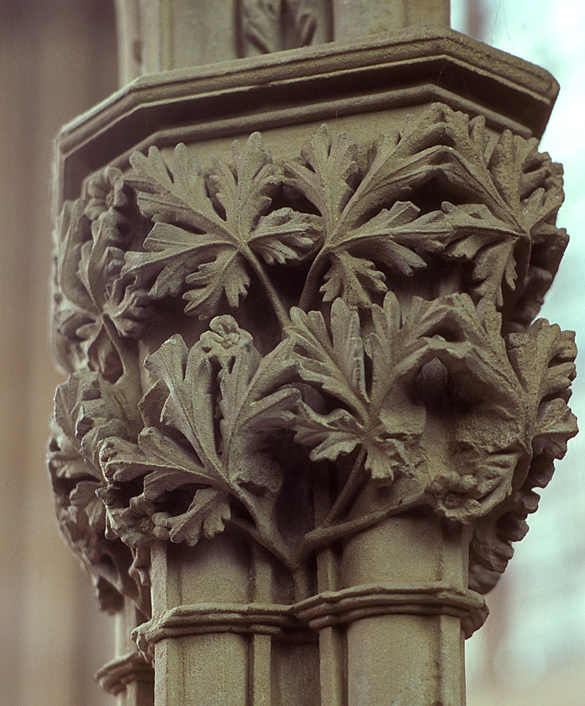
307	394
393	358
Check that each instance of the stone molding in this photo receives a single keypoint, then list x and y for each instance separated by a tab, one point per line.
358	602
278	621
312	85
115	676
296	623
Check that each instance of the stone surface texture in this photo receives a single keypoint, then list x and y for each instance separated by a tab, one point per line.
308	402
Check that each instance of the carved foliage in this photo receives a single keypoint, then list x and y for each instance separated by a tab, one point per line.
408	263
491	208
223	401
92	313
88	409
274	25
210	232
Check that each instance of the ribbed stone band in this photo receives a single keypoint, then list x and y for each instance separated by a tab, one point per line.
297	622
254	618
367	601
115	676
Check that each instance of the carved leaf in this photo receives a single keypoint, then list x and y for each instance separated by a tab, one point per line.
337	366
555	424
89	409
489	243
76	321
529	182
175	256
86	507
255	401
438	143
354	279
420	367
178	195
81	515
328	175
207	515
441	144
190	405
284	236
391	237
204	237
166	466
90	257
465	143
335	362
544	358
222	374
246	192
74	483
100	265
73	230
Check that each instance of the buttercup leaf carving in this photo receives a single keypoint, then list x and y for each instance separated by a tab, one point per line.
176	196
544	359
89	309
89	409
329	174
336	364
82	518
420	368
207	515
221	374
166	467
155	453
530	183
209	232
387	239
189	406
363	240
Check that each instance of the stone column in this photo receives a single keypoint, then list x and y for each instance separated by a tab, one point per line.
360	18
159	35
308	404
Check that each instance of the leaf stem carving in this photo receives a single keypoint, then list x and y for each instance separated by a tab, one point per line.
348	491
270	291
327	534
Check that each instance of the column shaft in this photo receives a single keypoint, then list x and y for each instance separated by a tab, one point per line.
398	659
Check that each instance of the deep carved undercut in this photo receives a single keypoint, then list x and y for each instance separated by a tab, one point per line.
300	350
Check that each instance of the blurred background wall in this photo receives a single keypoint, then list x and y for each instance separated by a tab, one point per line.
57	59
532	648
